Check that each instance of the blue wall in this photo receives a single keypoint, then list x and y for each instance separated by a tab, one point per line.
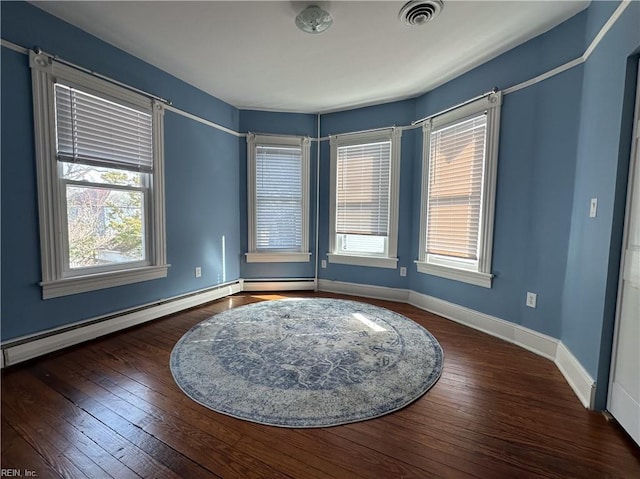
201	187
562	141
298	124
535	180
604	140
379	116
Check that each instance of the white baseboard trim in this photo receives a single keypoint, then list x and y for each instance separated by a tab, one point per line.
364	290
279	285
26	348
578	378
526	338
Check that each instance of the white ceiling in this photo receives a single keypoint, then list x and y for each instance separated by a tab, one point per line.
251	54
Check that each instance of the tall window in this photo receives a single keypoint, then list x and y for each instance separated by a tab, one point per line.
99	158
459	175
278	188
364	198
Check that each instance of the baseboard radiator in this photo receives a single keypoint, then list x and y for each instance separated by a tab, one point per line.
577	377
278	284
28	347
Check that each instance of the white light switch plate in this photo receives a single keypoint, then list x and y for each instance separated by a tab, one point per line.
593	208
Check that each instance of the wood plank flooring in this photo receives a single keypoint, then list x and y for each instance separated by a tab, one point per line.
110	409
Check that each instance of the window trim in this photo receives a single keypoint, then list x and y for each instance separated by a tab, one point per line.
44	72
253	255
491	104
394	135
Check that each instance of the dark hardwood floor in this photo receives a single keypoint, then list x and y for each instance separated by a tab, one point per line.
110	408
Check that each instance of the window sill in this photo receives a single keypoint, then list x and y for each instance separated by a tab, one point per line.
93	282
278	257
372	261
456	274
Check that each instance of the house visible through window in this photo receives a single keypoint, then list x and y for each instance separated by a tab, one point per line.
278	189
101	163
459	174
364	198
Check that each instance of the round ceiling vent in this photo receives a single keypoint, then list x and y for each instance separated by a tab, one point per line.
419	12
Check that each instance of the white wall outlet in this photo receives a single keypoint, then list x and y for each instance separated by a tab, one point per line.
198	271
323	263
532	299
593	208
403	270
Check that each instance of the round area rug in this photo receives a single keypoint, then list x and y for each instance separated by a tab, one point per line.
313	362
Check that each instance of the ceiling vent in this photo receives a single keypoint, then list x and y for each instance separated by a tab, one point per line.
419	12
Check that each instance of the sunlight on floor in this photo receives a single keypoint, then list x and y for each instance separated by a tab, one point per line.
269	296
368	323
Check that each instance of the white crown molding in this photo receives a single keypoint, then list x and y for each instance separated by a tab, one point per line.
555	71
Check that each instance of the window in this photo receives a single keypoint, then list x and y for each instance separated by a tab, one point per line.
278	190
365	169
99	156
458	189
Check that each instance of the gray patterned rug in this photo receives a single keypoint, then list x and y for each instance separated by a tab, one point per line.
312	362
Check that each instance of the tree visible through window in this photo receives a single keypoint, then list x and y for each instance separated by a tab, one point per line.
99	153
105	224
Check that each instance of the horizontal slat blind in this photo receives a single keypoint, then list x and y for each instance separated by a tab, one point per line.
455	188
278	198
363	175
97	131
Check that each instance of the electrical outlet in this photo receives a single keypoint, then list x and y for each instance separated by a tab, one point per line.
323	263
403	270
198	271
532	299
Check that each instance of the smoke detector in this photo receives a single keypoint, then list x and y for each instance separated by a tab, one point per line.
314	19
419	12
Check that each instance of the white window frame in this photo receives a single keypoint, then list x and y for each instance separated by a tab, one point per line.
56	281
478	273
302	255
394	135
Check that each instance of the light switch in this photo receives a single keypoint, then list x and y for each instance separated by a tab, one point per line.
593	208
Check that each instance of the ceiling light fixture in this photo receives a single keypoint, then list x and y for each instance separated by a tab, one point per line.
419	12
314	19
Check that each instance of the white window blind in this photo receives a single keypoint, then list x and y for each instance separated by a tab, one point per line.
93	130
363	189
457	155
279	200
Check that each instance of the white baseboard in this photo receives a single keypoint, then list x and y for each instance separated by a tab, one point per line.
26	348
279	285
526	338
578	378
364	290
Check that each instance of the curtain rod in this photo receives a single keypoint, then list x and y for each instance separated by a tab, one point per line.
39	51
365	131
493	90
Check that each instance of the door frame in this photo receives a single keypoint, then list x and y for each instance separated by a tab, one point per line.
633	164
